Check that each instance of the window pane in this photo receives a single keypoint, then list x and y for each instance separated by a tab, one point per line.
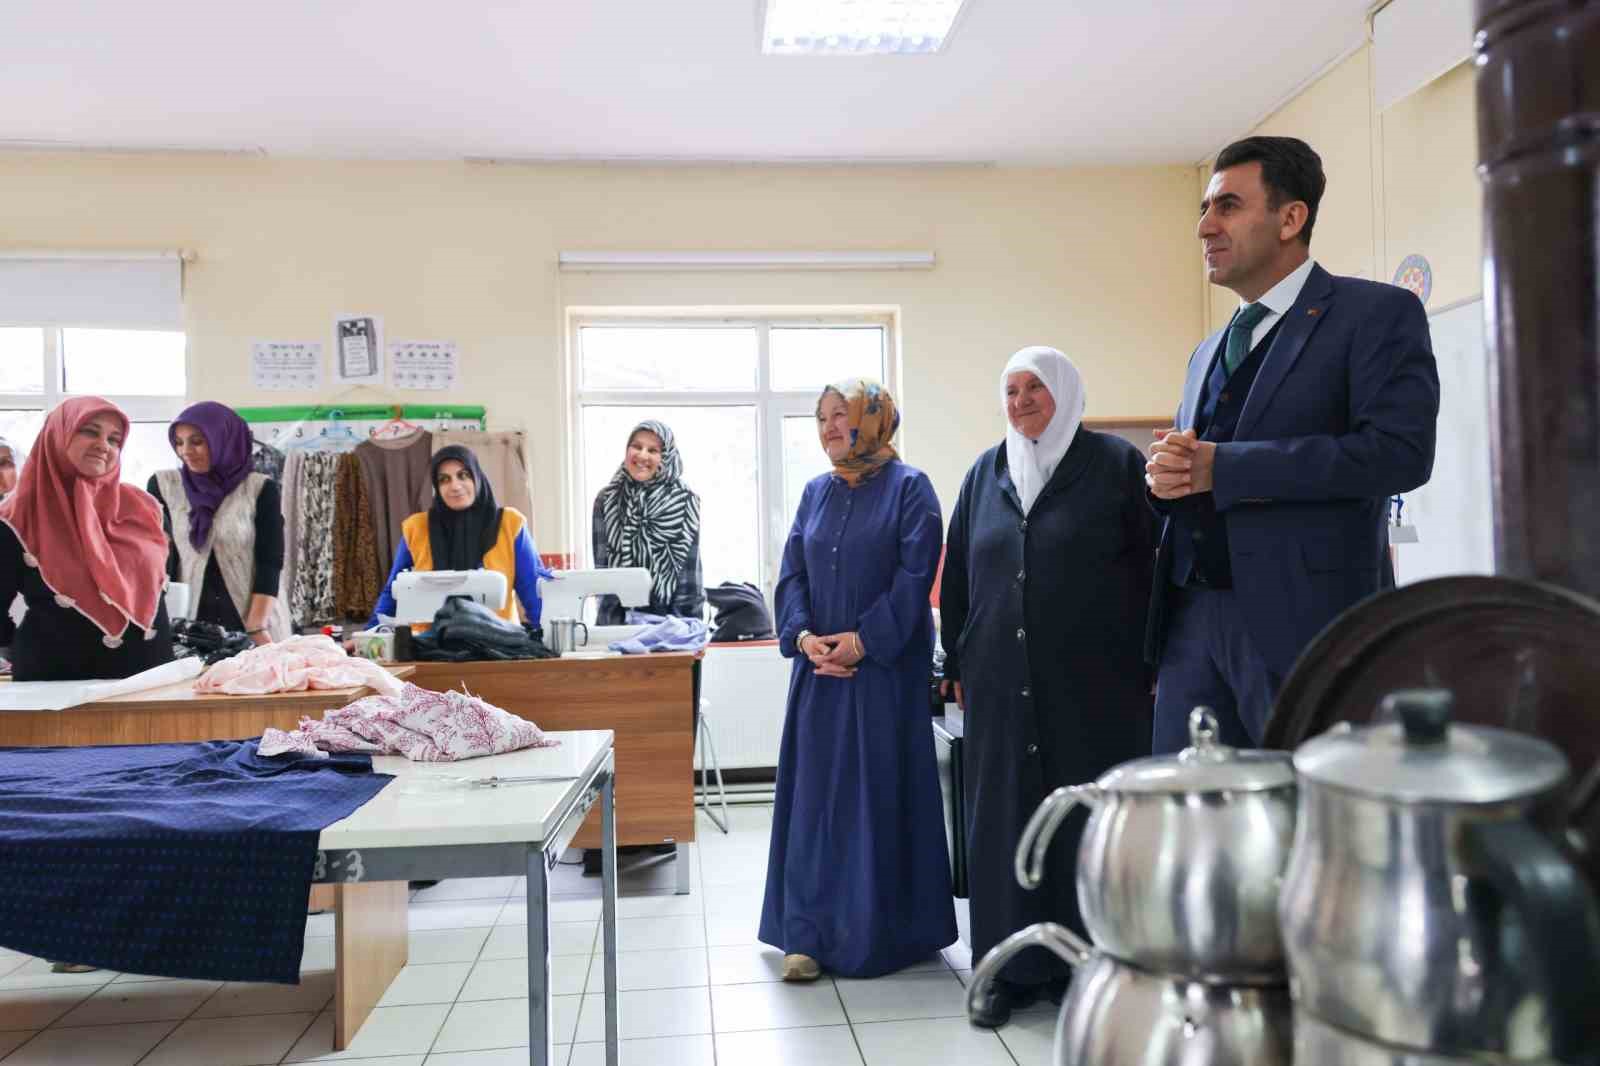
813	356
123	362
21	427
668	357
803	459
720	456
146	451
21	359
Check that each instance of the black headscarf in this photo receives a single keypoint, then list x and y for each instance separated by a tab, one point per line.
459	539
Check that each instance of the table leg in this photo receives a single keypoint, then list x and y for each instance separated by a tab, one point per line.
540	1049
608	910
370	946
682	863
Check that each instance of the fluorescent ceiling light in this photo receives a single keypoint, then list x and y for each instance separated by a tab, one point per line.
857	27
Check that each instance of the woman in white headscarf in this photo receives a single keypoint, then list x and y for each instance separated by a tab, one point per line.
1046	583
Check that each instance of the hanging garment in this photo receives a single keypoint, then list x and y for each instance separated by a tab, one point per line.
396	472
289	503
357	559
312	600
423	726
503	456
265	459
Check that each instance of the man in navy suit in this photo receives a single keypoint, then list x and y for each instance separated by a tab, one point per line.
1300	419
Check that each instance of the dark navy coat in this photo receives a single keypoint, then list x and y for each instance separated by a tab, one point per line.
1042	620
1340	418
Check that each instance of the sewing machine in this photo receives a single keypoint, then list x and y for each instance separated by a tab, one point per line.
418	594
565	591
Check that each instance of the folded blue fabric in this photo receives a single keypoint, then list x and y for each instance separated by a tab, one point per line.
669	634
179	860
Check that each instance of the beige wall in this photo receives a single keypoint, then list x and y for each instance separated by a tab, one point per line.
1399	182
1098	263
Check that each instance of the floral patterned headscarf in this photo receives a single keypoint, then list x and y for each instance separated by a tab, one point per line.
874	419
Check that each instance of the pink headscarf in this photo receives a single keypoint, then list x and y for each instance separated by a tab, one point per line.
98	544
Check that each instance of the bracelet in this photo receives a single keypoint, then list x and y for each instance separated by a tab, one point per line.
860	649
253	632
800	639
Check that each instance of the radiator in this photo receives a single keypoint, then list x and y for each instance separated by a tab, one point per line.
744	689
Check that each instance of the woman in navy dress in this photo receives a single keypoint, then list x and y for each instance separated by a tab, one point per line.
858	878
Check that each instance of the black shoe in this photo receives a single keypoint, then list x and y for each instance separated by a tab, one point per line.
994	1009
415	885
591	862
1056	989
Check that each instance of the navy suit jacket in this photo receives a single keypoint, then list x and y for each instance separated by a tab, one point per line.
1340	418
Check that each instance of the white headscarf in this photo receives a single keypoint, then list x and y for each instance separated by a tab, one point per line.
1032	462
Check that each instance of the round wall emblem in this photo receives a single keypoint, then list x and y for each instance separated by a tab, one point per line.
1415	274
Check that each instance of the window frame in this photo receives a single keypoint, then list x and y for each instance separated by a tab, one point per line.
771	405
137	408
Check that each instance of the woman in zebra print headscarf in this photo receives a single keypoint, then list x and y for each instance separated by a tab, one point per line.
646	516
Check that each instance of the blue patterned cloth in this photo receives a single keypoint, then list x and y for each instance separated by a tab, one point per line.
180	860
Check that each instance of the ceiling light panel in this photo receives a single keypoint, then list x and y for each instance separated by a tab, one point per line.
857	27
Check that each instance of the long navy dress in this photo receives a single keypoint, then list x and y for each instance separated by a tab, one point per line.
1042	618
858	876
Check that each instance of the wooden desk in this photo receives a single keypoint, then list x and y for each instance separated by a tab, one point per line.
646	700
172	714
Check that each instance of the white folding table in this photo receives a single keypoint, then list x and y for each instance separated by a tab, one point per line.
423	826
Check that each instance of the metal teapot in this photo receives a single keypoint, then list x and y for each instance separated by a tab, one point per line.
1427	903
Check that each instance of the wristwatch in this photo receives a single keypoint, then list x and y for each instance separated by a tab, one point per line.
800	640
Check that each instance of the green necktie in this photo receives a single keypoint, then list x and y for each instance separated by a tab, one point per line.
1244	323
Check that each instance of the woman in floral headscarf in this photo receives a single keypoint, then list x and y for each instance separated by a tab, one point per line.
858	878
646	516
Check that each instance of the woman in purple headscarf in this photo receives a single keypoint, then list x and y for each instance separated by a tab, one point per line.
225	524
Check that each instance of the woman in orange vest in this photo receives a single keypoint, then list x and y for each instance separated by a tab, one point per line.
466	530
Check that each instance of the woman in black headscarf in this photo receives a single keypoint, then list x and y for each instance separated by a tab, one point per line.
646	516
465	529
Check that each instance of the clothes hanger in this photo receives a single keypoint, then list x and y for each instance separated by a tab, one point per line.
396	428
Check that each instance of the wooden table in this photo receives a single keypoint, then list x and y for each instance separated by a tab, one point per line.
172	714
413	831
647	700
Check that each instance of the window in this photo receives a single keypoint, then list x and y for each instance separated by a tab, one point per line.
143	371
740	396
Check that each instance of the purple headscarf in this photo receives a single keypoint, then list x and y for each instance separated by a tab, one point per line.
228	437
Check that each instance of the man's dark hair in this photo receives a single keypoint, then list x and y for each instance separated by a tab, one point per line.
1290	170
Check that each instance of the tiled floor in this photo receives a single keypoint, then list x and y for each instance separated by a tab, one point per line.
697	990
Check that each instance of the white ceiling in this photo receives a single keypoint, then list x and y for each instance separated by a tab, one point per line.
1022	81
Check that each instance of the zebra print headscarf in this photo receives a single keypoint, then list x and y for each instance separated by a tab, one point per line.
654	523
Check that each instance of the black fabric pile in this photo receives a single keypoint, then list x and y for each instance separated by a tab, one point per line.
208	642
464	630
741	613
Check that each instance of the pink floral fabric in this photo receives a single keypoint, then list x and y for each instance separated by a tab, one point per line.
422	725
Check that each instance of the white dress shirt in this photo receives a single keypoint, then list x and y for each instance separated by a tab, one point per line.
1279	299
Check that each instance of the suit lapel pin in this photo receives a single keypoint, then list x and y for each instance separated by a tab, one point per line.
1314	311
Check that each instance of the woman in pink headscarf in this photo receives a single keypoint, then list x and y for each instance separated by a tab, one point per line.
86	552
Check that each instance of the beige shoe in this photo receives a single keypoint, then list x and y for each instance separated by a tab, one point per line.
72	967
800	968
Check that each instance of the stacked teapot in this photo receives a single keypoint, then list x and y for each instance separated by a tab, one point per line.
1178	876
1430	914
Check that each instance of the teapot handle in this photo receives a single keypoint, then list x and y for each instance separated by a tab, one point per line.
1041	829
1561	919
1057	938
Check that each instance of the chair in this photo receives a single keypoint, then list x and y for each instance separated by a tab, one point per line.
703	800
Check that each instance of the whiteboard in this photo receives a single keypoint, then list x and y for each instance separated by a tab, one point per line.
1454	511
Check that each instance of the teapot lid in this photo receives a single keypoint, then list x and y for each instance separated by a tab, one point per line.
1417	755
1207	765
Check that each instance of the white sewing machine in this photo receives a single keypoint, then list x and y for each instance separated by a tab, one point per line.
418	594
563	595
